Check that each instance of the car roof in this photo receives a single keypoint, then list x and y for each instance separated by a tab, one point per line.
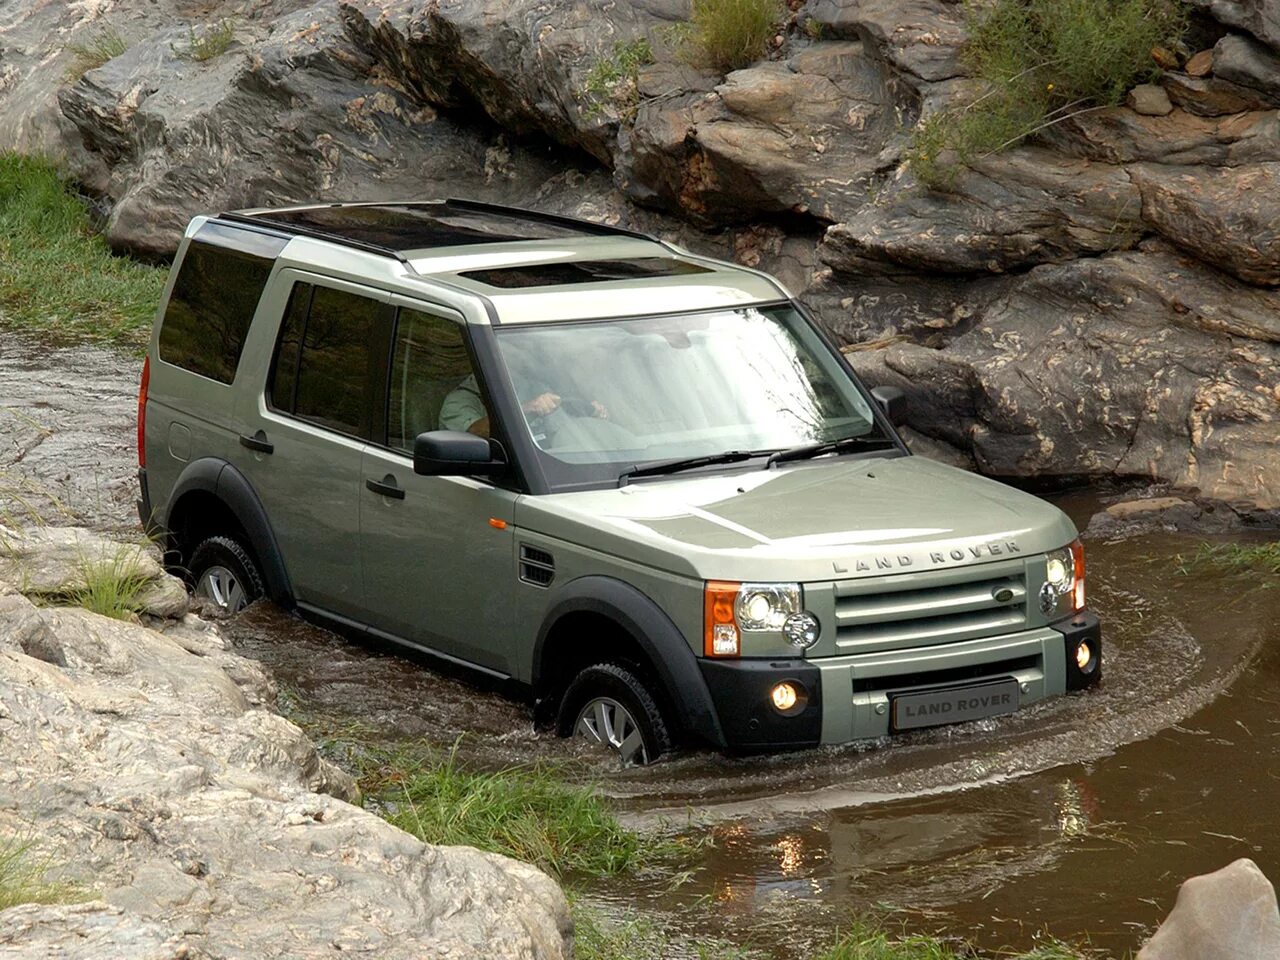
524	265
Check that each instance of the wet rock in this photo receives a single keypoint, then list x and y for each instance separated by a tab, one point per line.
1229	217
57	561
1158	511
1021	208
1149	100
1134	364
1230	914
209	826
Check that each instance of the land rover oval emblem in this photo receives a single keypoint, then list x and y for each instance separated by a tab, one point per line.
1002	594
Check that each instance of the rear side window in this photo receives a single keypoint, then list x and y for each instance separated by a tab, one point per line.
214	298
326	369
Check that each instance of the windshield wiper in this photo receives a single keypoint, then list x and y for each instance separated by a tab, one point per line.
688	463
807	450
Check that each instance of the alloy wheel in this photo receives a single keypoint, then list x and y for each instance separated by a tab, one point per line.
223	589
605	721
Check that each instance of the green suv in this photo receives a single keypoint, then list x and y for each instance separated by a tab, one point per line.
639	487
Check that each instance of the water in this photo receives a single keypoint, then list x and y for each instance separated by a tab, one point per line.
1079	816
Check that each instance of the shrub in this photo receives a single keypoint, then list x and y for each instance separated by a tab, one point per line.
730	34
1044	61
103	44
212	41
614	78
111	588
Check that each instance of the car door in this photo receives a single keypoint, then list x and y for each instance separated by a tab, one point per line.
436	551
305	434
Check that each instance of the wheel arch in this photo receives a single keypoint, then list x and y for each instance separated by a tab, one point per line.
641	629
212	497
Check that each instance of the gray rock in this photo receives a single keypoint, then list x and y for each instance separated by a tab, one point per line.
1140	363
55	561
921	38
1213	96
1123	136
1248	63
1227	216
1230	914
1013	210
1259	17
207	826
1149	100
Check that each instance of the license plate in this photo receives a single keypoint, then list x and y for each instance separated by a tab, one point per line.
934	707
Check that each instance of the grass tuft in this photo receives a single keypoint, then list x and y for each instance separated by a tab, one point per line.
103	45
22	878
1044	61
111	588
728	35
870	941
213	41
525	812
1253	558
637	937
613	79
56	273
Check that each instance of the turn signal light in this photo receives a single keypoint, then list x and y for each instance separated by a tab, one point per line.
1077	594
721	638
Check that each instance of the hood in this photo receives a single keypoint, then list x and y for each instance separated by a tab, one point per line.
836	518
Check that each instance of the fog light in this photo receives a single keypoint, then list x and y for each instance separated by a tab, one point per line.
784	696
1084	657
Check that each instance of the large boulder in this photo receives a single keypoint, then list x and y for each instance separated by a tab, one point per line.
1135	364
199	823
1230	914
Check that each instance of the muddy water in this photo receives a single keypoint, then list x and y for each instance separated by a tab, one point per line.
1078	816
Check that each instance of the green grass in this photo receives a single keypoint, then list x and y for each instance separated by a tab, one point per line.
1044	61
212	41
22	878
526	812
1258	558
613	78
56	274
639	938
869	941
102	45
728	35
111	588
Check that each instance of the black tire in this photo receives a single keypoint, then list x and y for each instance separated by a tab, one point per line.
614	682
226	554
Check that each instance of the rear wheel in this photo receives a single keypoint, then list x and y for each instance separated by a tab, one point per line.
609	705
225	575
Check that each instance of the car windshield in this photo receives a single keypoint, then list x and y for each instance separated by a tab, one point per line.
607	395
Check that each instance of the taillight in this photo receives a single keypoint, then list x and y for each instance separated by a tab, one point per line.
142	412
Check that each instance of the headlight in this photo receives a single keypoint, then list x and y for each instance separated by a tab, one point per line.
766	606
1063	590
732	609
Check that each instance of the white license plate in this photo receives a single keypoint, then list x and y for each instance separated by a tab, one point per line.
932	708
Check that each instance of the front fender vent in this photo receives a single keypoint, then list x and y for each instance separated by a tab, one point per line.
537	567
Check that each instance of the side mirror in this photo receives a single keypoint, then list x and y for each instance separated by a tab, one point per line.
893	402
452	453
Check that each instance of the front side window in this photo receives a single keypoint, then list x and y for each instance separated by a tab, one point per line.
433	385
601	396
325	358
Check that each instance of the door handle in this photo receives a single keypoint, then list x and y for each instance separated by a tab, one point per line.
386	487
258	442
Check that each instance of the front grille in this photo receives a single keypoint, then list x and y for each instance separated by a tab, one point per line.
537	566
946	678
890	613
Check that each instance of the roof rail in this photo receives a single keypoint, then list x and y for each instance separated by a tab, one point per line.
264	220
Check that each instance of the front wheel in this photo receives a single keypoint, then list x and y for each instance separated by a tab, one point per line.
608	705
225	575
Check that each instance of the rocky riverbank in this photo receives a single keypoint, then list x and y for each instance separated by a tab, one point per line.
144	764
1100	304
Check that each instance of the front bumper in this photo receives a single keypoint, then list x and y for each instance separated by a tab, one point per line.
849	696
